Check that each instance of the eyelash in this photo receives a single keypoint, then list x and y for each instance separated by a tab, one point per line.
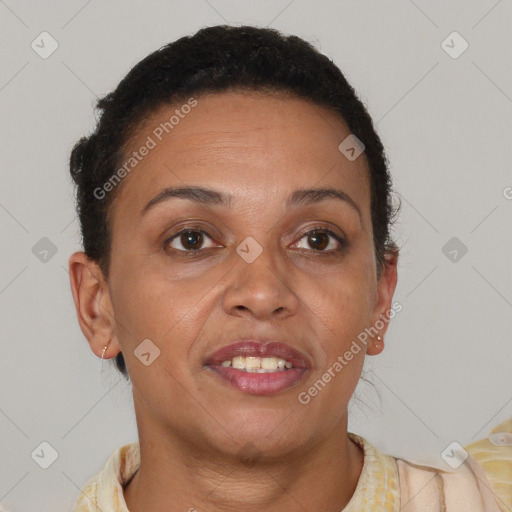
190	229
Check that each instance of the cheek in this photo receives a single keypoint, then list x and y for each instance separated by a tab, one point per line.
342	308
340	300
149	303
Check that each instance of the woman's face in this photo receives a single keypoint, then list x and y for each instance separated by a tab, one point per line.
256	273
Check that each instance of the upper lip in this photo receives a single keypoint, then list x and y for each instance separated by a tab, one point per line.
258	348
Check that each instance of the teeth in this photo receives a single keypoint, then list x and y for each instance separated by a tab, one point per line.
252	363
269	363
258	364
238	362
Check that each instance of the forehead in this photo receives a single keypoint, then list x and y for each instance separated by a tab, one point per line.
257	147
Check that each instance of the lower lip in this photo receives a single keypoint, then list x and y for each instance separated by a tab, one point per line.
260	383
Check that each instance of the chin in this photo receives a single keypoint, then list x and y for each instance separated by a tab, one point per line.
266	433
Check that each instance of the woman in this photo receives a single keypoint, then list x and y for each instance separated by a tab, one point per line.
235	207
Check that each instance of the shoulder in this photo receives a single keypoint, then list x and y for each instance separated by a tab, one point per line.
480	475
421	486
494	455
432	489
104	491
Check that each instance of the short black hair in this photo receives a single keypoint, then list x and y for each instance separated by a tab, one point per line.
215	59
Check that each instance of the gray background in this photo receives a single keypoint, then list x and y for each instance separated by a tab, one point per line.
445	373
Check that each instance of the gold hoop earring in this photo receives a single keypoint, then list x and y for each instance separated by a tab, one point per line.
102	358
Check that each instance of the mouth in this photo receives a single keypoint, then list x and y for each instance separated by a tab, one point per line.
258	367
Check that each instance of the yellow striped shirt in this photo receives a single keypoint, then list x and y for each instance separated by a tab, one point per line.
482	483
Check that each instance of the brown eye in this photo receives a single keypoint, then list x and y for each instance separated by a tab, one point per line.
190	240
320	239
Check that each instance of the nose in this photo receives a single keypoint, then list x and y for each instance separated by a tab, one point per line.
262	288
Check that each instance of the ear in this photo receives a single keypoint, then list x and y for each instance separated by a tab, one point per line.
385	289
93	305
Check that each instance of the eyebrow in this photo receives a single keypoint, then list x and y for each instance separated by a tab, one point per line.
212	197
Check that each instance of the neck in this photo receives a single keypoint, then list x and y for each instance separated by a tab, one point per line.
175	476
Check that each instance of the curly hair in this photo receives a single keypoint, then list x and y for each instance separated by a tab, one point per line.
215	59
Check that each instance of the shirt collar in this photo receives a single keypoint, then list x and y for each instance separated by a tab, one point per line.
377	484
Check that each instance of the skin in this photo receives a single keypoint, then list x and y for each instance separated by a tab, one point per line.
193	426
